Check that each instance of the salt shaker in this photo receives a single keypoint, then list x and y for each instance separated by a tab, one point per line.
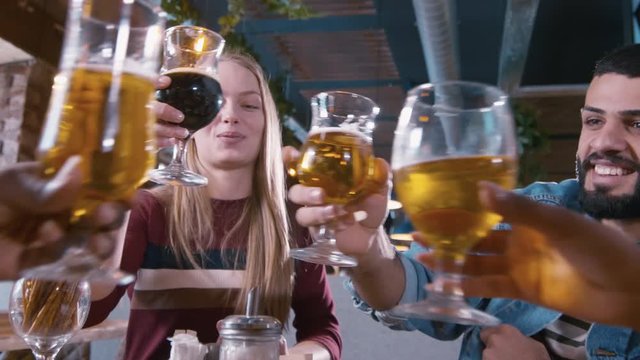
249	338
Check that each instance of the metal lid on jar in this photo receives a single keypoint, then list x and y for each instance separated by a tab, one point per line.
250	325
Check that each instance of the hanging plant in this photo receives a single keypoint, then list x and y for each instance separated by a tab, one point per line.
532	143
292	9
179	12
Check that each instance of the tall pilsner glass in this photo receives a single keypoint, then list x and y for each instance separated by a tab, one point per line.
99	109
450	136
190	59
337	157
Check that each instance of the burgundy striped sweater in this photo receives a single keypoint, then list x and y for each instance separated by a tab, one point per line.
167	296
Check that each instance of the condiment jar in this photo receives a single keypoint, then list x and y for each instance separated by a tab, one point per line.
249	338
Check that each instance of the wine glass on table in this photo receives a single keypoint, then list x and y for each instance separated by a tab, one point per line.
337	157
46	314
190	59
450	136
99	110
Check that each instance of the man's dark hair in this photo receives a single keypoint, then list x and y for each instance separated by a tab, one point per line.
624	61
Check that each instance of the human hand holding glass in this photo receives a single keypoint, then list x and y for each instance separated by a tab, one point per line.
337	157
35	211
99	110
190	59
450	136
557	258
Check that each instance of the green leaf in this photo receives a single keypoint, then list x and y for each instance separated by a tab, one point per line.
532	143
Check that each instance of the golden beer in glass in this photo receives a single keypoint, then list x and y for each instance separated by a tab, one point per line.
339	161
100	110
441	199
337	157
449	137
115	174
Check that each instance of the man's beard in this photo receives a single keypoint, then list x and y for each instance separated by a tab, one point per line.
597	203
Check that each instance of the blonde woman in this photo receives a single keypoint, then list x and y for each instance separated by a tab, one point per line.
198	251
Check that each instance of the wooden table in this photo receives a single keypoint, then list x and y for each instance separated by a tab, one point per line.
108	329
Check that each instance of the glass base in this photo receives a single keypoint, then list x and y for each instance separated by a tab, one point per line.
78	264
440	307
175	176
325	253
45	347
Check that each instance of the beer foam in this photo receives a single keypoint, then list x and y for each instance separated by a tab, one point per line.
129	68
411	159
189	70
347	131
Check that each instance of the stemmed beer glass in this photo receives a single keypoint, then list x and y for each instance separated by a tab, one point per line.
450	136
338	157
190	59
99	109
46	314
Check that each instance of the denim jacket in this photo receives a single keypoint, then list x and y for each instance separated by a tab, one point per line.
603	342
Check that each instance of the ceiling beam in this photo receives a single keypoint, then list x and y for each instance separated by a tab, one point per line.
10	53
323	24
263	46
32	29
341	84
550	90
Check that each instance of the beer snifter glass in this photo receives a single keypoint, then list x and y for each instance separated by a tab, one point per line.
99	110
337	157
190	59
46	314
449	136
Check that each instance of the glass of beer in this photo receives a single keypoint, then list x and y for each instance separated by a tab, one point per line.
337	157
190	59
99	109
450	136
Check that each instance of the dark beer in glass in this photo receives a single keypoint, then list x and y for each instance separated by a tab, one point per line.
190	59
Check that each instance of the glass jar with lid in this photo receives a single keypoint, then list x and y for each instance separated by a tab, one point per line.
249	338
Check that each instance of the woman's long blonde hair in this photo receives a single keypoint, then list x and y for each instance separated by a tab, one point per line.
190	214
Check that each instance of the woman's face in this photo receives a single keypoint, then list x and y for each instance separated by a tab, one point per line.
234	138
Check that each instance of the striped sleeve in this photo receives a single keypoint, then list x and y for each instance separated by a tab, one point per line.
145	206
312	302
565	338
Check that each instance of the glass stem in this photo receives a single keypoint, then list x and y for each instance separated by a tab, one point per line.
448	278
324	234
180	152
50	355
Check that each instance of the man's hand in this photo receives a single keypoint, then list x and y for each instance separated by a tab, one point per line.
34	213
505	342
556	258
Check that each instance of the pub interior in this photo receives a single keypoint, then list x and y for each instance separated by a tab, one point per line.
539	53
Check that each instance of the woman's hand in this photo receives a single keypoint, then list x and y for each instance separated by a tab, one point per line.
354	224
167	129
